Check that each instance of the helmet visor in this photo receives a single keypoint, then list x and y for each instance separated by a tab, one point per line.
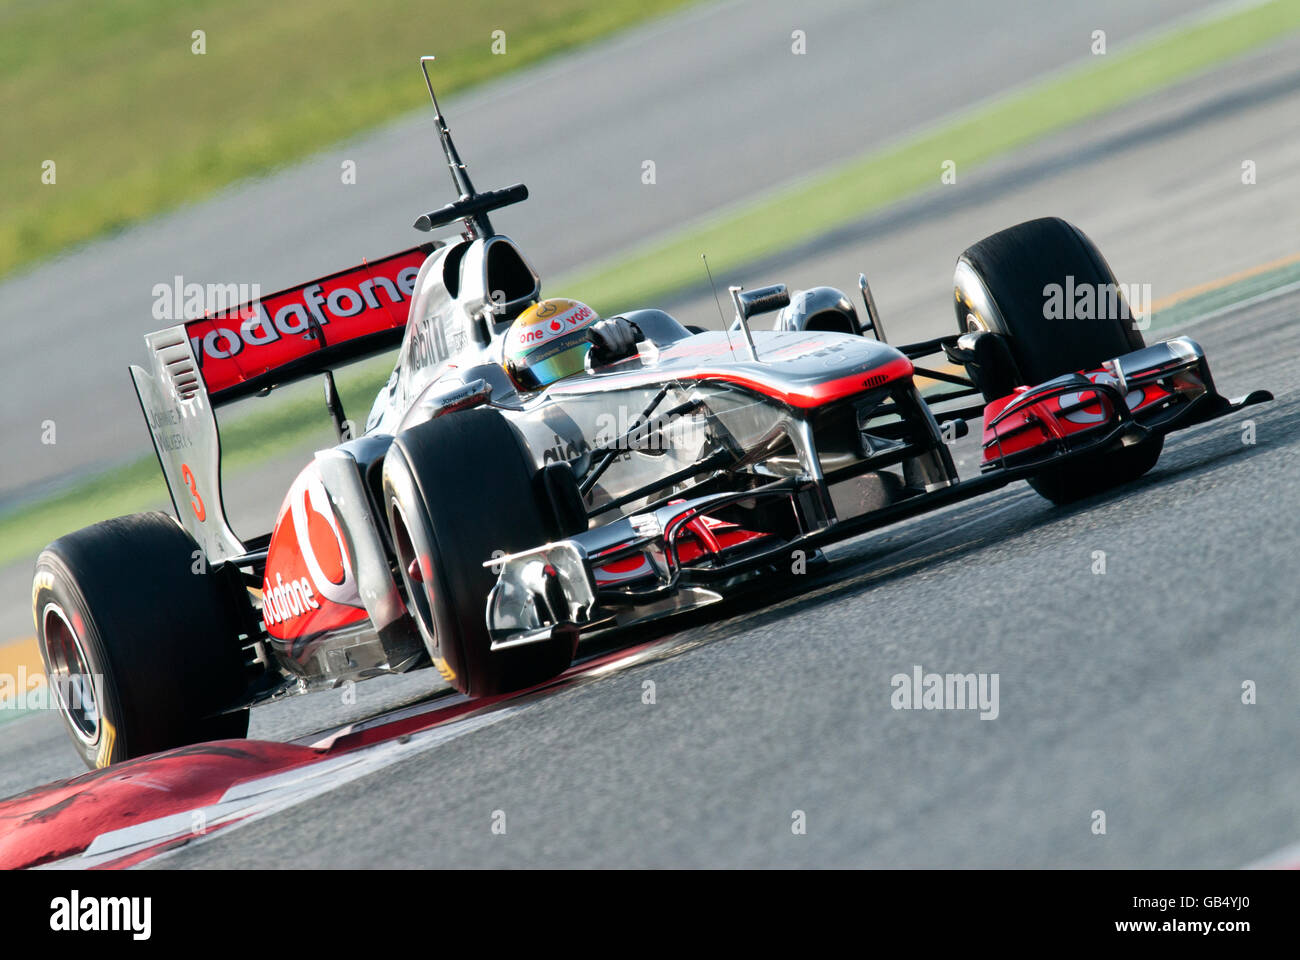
545	367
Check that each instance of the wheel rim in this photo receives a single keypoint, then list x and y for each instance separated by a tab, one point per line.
417	591
70	676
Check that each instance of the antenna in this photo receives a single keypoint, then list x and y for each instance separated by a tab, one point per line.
459	175
718	301
471	207
481	225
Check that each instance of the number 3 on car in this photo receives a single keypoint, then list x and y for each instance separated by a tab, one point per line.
196	501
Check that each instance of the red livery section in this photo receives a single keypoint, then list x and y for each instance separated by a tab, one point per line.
703	537
309	587
819	394
265	335
1057	416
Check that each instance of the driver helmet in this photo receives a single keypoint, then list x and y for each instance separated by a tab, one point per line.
548	342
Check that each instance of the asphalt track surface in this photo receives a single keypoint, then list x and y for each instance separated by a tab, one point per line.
1119	692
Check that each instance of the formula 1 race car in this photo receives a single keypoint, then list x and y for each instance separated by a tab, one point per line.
484	529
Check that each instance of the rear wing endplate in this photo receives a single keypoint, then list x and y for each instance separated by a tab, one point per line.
184	431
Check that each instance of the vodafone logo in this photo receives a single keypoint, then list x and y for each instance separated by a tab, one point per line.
309	585
365	295
548	320
286	601
265	322
320	541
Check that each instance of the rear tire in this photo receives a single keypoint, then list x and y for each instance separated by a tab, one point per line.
1000	288
121	600
458	490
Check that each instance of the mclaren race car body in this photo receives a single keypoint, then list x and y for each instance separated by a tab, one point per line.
484	531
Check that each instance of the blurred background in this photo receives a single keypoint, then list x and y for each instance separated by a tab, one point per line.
230	141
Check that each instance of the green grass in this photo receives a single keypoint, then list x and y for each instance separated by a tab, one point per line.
137	124
854	189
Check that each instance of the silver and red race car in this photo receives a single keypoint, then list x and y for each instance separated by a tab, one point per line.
485	530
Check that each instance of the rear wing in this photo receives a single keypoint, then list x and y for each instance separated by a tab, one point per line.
306	329
282	338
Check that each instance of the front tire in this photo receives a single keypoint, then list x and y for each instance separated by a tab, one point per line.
1000	288
141	652
458	490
